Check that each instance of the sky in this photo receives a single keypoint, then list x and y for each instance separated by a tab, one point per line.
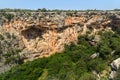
61	4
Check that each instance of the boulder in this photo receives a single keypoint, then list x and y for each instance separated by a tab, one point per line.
115	64
114	67
94	55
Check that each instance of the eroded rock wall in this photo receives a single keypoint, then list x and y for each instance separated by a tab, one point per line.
44	34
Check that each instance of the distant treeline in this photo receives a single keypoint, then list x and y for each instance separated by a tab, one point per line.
47	10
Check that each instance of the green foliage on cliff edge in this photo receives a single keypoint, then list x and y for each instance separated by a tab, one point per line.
75	63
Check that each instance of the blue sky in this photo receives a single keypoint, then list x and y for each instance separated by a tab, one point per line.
61	4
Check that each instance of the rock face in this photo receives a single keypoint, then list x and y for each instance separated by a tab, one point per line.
44	34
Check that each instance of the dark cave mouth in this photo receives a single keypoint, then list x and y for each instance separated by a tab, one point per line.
32	33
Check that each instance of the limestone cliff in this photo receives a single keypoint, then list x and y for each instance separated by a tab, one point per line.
44	34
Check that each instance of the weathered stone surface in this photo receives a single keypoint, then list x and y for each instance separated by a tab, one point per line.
43	34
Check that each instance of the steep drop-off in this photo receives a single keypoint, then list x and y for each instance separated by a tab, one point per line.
44	34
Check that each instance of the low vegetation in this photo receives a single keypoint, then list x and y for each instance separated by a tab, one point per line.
75	63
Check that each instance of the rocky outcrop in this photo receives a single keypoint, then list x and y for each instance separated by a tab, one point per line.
44	34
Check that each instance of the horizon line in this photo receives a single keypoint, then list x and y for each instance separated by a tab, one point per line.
58	9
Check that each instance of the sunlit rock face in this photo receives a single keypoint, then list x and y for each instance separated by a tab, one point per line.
44	34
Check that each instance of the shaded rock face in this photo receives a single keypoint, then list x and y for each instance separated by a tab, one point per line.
44	34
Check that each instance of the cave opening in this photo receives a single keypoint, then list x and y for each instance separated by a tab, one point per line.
32	33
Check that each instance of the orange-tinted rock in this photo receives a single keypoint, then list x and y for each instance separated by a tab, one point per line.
47	35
